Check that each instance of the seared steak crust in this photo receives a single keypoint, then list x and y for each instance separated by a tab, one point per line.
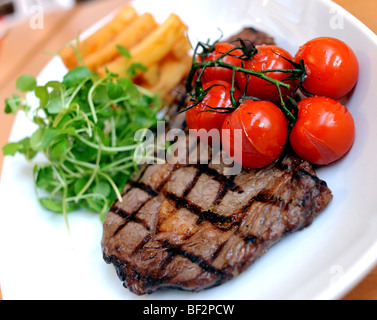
192	227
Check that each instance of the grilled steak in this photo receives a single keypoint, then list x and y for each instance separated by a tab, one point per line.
192	226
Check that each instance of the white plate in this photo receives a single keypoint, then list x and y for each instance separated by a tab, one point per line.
39	260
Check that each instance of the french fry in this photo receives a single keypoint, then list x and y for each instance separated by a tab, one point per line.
152	49
150	77
128	37
172	71
162	49
181	47
123	18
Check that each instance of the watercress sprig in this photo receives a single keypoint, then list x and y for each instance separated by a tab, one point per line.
85	130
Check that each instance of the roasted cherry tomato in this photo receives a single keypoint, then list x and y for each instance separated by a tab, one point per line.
255	134
324	131
210	113
220	73
268	57
331	65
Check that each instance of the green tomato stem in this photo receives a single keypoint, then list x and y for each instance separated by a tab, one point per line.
260	74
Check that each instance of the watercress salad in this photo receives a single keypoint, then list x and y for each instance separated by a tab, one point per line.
85	130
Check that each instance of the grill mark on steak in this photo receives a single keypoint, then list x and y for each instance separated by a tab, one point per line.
144	187
224	223
192	184
306	173
220	222
176	250
250	239
212	217
141	245
128	218
192	227
226	185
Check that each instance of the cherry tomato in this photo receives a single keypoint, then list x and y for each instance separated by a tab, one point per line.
202	116
255	134
220	73
268	57
324	131
331	65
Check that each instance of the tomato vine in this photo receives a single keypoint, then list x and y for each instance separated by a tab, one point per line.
195	89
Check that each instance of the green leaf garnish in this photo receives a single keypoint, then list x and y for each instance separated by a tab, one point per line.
123	51
85	129
26	83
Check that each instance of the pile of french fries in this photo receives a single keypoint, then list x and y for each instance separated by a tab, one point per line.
162	49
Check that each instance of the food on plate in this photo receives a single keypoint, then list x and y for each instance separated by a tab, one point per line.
166	75
139	29
324	131
85	130
193	227
73	52
268	75
87	123
268	57
219	50
163	46
157	54
186	225
211	112
331	65
264	133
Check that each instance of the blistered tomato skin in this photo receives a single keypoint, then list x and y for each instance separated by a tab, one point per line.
268	57
331	65
324	131
220	73
263	129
